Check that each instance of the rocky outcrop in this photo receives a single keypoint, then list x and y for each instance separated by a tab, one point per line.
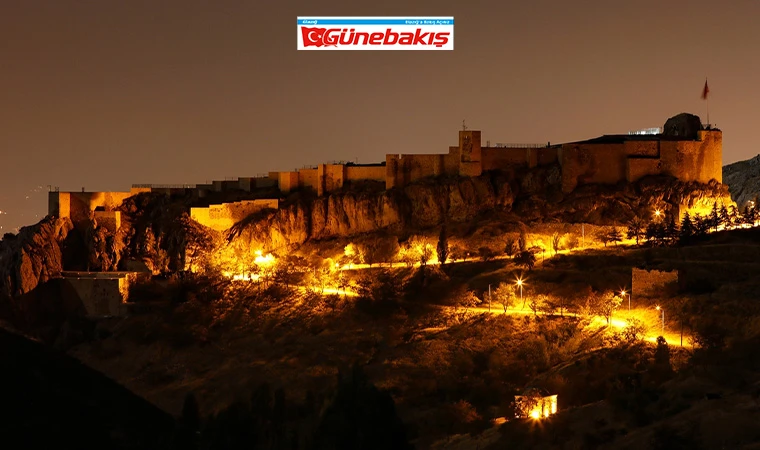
33	256
683	125
615	205
157	230
419	205
743	180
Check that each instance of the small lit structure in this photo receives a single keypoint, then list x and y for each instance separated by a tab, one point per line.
645	131
535	404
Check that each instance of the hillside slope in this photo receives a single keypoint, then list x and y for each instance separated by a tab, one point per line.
50	400
743	180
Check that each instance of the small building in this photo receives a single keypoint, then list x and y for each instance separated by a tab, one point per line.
535	404
103	294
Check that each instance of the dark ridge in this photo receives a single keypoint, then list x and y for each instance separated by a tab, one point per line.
50	400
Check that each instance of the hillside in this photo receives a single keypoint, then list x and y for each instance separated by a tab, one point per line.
50	400
452	368
743	180
354	280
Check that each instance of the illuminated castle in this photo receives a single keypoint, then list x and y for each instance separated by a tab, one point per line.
684	149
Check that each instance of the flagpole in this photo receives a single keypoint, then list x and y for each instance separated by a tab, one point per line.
706	95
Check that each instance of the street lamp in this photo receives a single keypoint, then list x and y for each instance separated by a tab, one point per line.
663	317
520	284
623	294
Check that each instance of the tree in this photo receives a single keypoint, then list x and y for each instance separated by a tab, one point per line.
634	331
442	249
506	295
656	233
662	367
606	304
714	217
526	259
724	218
701	226
522	241
556	243
510	247
636	229
687	229
614	236
379	250
561	303
426	254
671	230
604	237
486	253
538	303
360	416
734	216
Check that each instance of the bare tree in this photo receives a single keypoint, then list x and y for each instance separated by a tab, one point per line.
636	229
506	295
606	304
556	243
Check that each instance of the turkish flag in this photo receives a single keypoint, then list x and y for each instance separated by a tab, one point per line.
705	91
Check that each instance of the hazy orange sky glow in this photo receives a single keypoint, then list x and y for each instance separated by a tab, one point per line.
103	94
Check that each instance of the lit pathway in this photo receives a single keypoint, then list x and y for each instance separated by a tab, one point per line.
616	322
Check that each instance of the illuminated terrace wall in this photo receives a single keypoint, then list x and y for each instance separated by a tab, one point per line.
222	217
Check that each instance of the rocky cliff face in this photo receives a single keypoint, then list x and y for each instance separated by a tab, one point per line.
33	256
743	180
616	205
418	205
157	230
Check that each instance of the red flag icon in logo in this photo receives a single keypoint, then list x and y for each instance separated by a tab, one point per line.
314	37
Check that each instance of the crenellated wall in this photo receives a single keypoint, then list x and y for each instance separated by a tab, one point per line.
686	151
617	158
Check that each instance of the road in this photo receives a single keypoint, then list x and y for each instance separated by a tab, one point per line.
619	320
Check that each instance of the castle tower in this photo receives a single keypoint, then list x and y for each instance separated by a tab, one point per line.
469	145
469	153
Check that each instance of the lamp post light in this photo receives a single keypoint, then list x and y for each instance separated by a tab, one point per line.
623	294
520	284
663	317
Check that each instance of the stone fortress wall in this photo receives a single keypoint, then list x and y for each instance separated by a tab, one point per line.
224	216
685	150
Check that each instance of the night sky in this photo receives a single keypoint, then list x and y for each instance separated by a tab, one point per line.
103	94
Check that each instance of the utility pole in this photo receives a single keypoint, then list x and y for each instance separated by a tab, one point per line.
583	235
